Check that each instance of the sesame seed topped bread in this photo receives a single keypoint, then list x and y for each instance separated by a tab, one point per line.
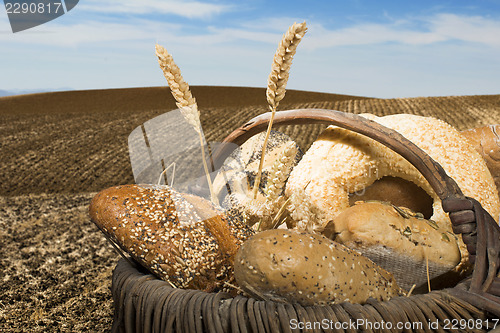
341	162
162	230
309	269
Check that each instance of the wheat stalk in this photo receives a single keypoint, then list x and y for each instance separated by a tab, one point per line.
276	83
185	102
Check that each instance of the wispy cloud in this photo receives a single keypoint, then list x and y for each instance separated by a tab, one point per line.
415	31
474	29
89	31
188	9
409	31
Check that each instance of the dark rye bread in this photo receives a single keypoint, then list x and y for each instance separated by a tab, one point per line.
166	234
309	269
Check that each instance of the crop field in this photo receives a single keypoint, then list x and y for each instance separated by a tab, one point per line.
58	149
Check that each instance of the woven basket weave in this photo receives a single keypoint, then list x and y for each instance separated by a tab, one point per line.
144	303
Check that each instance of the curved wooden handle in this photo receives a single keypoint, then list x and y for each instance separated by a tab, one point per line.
442	184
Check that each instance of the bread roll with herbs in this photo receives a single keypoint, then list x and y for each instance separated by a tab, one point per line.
309	269
397	239
182	239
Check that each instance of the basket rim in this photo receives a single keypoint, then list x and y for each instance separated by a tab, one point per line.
133	286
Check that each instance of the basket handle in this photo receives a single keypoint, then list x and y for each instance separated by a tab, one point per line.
479	230
442	184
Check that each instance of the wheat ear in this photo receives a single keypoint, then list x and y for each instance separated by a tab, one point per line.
279	173
276	83
185	102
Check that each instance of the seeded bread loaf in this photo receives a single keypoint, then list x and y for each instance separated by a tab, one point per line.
309	269
184	240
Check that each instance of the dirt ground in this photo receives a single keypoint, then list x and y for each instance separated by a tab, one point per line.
58	149
56	266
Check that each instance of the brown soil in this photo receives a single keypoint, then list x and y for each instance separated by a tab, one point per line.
58	149
56	266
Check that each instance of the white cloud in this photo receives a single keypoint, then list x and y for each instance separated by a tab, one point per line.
367	34
230	34
274	24
474	29
438	28
189	9
413	31
90	32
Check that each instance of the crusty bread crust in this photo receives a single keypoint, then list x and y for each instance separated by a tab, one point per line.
486	140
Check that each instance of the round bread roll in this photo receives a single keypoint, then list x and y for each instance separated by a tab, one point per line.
182	239
309	269
341	162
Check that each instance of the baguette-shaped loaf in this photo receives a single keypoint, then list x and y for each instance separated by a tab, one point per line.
309	269
165	232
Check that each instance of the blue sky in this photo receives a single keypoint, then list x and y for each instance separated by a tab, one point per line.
381	49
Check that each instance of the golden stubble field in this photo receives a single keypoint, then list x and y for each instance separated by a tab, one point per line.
58	149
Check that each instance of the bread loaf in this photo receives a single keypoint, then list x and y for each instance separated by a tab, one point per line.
403	193
486	141
397	191
397	239
182	239
309	269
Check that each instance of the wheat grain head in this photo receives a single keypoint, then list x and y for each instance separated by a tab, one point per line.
276	83
279	173
179	88
278	78
186	103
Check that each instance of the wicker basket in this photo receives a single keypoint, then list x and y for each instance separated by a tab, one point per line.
144	303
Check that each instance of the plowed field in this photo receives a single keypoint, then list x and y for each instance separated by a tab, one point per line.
58	149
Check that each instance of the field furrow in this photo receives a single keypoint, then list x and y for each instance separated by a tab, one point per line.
77	141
